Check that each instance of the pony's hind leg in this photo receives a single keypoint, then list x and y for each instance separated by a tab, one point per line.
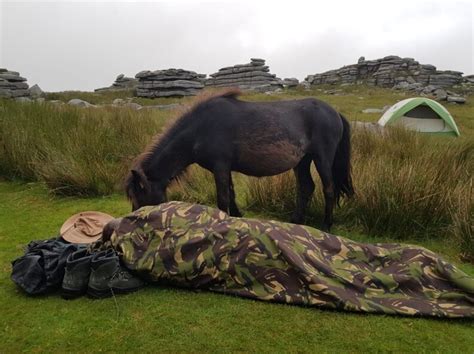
325	172
305	189
233	208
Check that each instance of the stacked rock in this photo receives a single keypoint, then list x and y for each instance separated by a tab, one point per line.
253	76
121	83
447	78
169	83
469	79
12	85
467	84
390	71
290	82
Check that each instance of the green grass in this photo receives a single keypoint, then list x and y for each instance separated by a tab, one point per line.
107	97
86	152
158	319
103	97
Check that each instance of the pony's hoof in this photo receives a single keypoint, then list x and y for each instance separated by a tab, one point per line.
236	214
296	220
326	228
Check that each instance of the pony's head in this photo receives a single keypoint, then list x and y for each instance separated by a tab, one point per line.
141	191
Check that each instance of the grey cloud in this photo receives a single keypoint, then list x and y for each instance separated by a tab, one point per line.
85	45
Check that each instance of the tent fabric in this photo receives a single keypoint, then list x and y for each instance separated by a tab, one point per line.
195	246
441	121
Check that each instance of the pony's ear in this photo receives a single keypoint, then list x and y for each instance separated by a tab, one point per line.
140	179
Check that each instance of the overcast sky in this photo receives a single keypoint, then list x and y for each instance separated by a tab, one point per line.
66	45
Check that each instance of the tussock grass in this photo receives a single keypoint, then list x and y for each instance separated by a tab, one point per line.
407	186
196	185
276	194
463	223
73	150
410	184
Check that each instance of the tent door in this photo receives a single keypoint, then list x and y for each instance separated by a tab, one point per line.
425	125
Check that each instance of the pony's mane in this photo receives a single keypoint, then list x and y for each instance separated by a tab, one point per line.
161	140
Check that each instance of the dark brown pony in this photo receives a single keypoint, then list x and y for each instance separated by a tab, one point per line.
223	134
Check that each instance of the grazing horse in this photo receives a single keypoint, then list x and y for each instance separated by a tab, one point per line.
223	134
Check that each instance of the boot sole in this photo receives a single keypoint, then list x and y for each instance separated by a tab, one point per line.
68	294
102	294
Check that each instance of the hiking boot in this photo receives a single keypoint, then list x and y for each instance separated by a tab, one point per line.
108	277
76	275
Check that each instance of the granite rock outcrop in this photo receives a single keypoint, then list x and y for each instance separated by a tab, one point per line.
169	83
12	85
253	76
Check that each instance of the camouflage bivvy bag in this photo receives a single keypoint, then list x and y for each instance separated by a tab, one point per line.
200	247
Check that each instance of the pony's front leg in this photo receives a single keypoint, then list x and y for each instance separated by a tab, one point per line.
233	208
305	189
222	179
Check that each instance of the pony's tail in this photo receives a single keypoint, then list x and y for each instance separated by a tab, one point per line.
341	167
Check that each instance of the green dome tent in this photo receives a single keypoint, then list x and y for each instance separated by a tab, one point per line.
421	114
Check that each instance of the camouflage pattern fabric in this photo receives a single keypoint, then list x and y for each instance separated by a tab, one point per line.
195	246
